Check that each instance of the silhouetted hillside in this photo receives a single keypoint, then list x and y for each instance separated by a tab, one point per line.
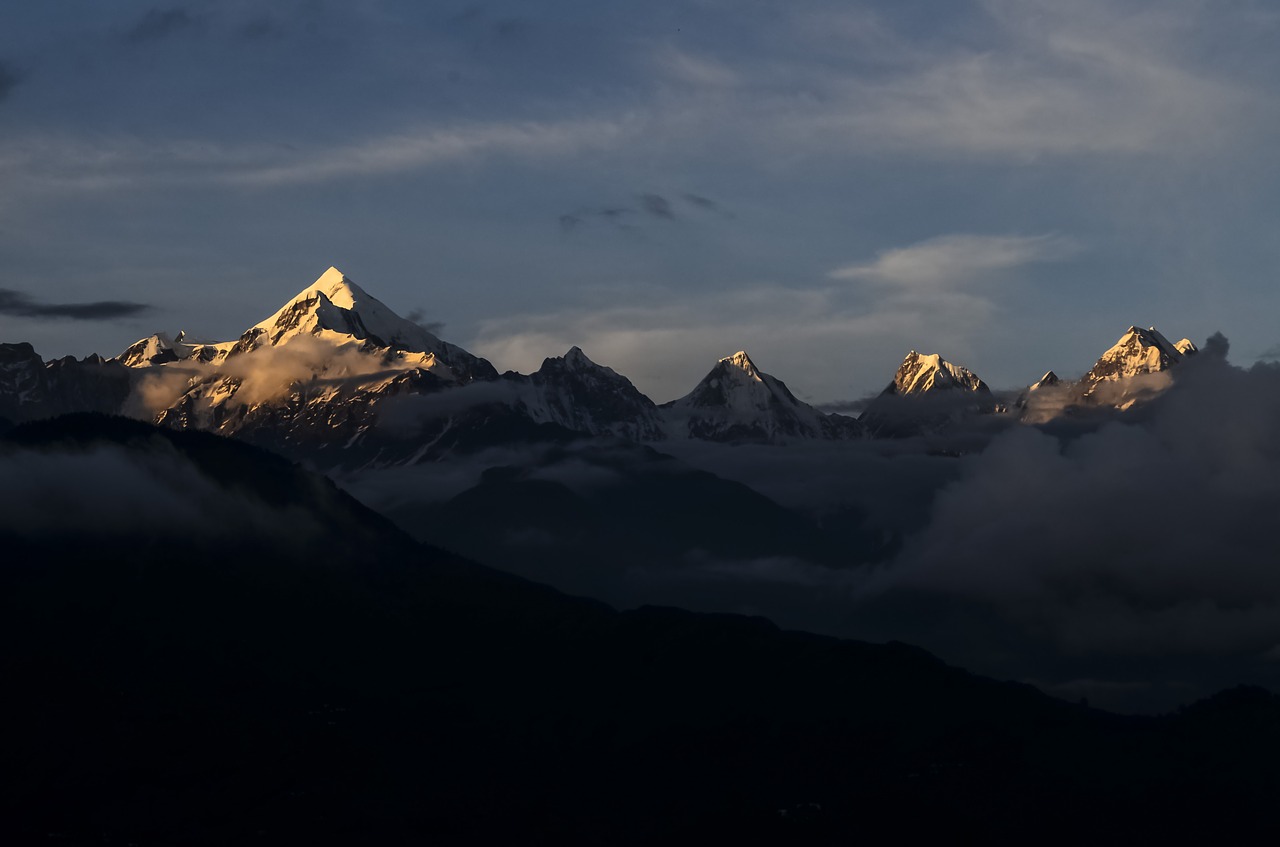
266	660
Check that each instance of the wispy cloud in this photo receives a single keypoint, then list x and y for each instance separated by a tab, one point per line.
954	259
665	343
410	151
690	69
132	162
1033	79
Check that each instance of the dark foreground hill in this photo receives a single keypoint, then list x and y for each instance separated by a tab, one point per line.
206	645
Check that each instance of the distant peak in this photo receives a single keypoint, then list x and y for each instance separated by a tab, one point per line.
1049	379
929	371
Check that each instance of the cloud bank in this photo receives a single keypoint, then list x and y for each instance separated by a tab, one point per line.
1145	538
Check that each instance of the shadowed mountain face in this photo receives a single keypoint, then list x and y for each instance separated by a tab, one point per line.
737	402
614	520
243	652
31	388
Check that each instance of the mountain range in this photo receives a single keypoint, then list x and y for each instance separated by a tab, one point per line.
336	377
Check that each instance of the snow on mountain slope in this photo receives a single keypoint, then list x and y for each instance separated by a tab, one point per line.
315	371
921	372
161	349
335	309
1125	370
738	402
927	394
1049	380
578	394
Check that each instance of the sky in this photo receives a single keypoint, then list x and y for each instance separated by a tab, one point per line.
828	185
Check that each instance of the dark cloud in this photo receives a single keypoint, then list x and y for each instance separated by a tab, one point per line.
9	79
657	205
706	204
1148	538
615	215
20	305
98	491
158	24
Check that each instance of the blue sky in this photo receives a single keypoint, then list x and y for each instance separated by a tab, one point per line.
1010	183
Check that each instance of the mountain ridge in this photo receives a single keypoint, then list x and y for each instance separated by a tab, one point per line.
323	375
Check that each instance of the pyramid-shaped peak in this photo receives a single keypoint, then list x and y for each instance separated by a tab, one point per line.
574	360
331	275
1049	379
337	287
335	304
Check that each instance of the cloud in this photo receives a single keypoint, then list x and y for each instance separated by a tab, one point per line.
418	315
704	203
665	341
265	374
129	162
20	305
158	24
614	215
10	77
412	151
657	205
686	68
100	491
952	259
1094	78
272	372
1145	538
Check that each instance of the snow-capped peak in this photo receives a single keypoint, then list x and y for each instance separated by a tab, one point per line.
742	362
921	372
335	304
1186	347
1139	351
738	401
1050	378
